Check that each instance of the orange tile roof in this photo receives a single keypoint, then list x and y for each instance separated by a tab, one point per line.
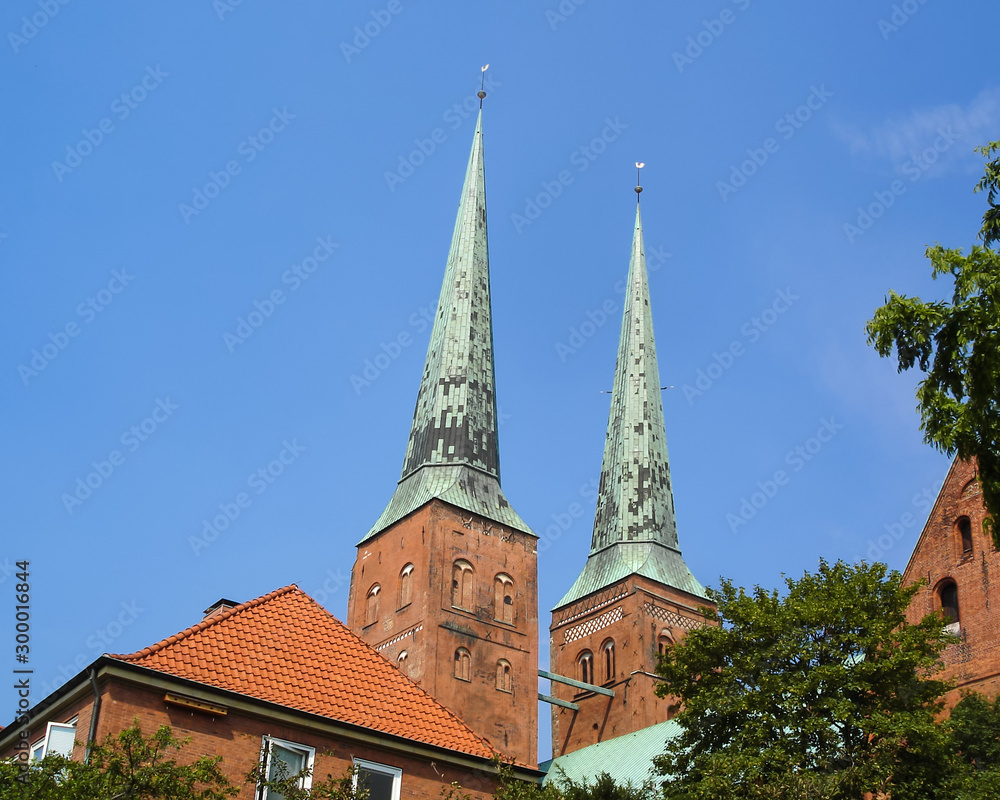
285	648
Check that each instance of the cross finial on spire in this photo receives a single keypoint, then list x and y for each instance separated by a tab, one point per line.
638	187
481	94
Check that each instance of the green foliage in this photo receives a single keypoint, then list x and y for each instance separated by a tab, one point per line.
974	728
957	345
603	787
512	788
128	766
330	788
819	694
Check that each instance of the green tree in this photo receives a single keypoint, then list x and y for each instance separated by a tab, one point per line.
822	693
562	787
128	766
957	345
974	728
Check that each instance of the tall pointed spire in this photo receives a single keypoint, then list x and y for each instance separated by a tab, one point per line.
635	531
453	451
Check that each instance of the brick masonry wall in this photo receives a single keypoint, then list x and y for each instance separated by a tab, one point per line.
632	615
430	628
973	662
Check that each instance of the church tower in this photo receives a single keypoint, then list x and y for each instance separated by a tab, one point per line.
445	581
635	596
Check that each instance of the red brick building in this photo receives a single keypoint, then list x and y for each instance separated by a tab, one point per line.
635	596
276	680
444	584
957	561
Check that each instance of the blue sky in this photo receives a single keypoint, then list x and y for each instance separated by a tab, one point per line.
169	167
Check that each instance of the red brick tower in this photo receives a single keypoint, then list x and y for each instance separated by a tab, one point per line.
445	581
635	596
957	561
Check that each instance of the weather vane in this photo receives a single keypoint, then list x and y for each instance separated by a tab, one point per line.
638	166
482	87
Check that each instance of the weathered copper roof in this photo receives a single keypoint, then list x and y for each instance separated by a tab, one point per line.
635	531
453	452
627	758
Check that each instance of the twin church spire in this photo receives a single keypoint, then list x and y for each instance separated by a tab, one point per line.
445	582
453	451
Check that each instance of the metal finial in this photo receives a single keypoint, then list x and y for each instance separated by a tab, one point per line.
638	166
481	94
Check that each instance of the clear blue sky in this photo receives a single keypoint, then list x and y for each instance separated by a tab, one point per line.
169	165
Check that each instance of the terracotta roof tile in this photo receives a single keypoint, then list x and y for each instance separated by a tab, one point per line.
285	648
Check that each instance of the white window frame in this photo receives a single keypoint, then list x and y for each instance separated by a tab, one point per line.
265	757
42	747
385	769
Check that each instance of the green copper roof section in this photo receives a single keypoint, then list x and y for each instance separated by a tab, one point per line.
635	531
627	758
453	453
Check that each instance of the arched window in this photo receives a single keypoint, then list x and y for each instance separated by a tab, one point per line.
505	682
664	642
948	594
372	604
463	664
965	533
462	585
585	666
503	598
406	586
608	651
401	659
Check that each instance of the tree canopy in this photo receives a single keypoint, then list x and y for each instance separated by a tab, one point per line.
957	345
821	693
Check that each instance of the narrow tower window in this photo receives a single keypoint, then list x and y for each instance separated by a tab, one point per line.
463	664
372	604
401	659
503	598
965	532
664	642
585	663
406	586
608	649
504	678
462	585
948	594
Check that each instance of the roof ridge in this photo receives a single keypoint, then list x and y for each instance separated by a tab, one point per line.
206	623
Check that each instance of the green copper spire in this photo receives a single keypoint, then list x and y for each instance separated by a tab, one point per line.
635	531
453	454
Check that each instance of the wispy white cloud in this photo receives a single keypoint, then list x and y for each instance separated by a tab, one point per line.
903	139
